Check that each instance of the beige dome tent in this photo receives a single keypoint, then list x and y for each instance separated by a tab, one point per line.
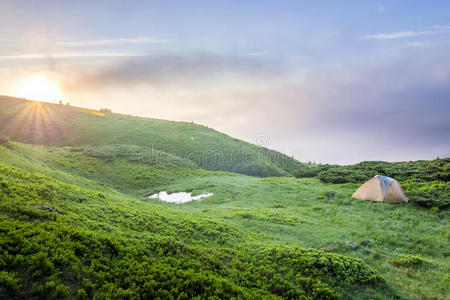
381	189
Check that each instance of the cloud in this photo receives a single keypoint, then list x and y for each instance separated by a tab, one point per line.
441	27
195	69
395	109
397	49
381	9
437	29
417	44
258	53
71	55
396	35
115	41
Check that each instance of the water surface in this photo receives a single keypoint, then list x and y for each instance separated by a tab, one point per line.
179	197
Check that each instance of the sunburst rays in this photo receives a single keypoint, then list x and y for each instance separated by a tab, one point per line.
38	123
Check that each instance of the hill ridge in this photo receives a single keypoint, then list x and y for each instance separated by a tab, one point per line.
60	125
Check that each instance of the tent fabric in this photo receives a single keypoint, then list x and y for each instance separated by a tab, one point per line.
385	183
369	191
381	189
395	193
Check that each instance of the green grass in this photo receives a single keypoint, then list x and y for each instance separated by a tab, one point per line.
295	211
101	198
257	237
107	244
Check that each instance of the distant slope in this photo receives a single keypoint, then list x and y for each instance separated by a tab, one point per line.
58	125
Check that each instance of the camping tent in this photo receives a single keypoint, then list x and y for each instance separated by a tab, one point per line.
381	189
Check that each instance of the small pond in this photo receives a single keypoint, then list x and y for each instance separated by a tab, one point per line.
179	197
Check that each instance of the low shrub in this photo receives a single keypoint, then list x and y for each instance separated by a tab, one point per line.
428	194
81	293
438	169
408	261
329	195
10	281
62	291
342	175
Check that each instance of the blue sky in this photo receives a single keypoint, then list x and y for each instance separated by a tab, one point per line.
329	81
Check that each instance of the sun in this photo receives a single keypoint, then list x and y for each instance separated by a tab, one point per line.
39	87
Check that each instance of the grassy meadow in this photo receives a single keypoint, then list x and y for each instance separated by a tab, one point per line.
281	234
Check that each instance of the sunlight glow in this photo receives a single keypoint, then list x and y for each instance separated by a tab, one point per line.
38	87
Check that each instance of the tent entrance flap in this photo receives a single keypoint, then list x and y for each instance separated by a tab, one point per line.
385	183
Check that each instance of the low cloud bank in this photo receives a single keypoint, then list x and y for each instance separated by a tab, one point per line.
393	107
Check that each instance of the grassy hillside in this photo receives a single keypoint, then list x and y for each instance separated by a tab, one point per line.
107	244
58	125
255	238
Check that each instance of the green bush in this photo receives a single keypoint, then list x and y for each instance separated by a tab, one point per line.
408	261
82	294
428	194
329	195
342	175
10	281
62	291
438	169
310	170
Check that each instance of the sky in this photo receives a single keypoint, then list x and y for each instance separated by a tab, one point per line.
324	81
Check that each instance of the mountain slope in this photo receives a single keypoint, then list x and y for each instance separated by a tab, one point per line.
58	125
245	241
254	238
107	244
